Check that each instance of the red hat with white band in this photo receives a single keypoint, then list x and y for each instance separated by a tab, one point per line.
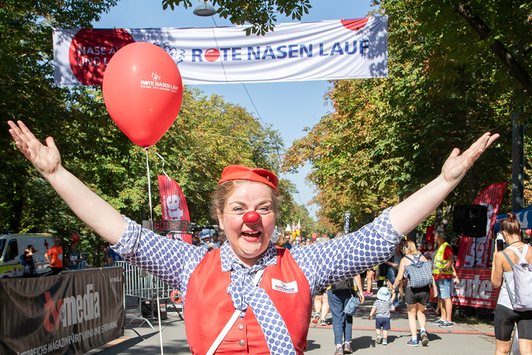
239	172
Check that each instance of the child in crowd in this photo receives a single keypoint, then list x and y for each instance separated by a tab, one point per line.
381	309
83	264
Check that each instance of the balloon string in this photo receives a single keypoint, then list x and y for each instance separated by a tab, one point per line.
149	186
164	172
151	221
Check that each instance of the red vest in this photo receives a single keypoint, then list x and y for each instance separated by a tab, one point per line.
208	307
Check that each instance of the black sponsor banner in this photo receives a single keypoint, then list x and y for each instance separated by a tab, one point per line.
71	313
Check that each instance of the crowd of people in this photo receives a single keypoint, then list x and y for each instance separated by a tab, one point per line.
391	280
72	259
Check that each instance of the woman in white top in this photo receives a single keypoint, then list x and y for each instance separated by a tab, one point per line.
416	298
505	316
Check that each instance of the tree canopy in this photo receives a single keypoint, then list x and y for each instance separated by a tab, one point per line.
261	15
388	137
456	70
208	134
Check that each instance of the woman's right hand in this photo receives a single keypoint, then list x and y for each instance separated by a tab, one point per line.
46	159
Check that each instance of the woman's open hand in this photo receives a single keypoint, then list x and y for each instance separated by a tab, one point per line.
45	158
457	164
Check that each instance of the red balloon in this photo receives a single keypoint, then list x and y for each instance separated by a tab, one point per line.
143	90
251	218
314	236
528	232
75	238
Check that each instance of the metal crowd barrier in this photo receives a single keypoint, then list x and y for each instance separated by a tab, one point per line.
149	291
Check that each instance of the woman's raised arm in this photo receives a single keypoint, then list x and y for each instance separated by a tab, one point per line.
409	213
89	207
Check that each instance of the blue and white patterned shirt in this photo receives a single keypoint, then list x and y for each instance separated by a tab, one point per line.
323	265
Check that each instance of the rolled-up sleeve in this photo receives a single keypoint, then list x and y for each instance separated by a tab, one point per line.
173	261
326	263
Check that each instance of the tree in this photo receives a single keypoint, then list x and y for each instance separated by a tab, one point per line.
388	137
208	134
261	14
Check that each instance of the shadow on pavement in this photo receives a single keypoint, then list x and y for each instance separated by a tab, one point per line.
312	345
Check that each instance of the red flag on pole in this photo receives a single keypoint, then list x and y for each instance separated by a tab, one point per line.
480	248
173	204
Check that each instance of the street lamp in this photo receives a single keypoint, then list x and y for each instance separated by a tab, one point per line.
205	9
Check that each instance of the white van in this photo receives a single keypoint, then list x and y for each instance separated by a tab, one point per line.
12	246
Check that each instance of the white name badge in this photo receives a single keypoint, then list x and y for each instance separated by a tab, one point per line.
290	287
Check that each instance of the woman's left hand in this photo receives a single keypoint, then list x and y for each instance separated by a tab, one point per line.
457	164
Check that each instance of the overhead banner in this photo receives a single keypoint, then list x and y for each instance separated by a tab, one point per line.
174	209
476	252
325	50
67	314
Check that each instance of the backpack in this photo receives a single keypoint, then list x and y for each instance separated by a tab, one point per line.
419	272
522	296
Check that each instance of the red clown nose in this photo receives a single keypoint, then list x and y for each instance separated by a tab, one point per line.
251	218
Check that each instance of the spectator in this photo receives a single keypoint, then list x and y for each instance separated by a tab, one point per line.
502	275
443	273
416	298
288	243
216	240
429	253
114	256
381	309
83	264
29	264
338	295
72	258
54	256
321	307
370	276
196	239
279	244
420	248
222	238
206	243
455	245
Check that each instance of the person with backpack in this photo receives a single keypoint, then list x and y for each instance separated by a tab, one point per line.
507	273
417	293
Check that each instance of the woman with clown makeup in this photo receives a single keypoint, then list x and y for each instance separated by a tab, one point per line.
256	285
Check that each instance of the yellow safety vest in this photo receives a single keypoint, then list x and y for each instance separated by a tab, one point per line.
439	262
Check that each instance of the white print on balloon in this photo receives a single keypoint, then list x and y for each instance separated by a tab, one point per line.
174	208
158	85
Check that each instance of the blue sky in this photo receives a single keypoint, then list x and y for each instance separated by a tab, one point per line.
288	106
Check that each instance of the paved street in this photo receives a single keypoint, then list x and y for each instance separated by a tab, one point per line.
461	338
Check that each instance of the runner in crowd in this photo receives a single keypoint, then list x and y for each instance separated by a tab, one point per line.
254	284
